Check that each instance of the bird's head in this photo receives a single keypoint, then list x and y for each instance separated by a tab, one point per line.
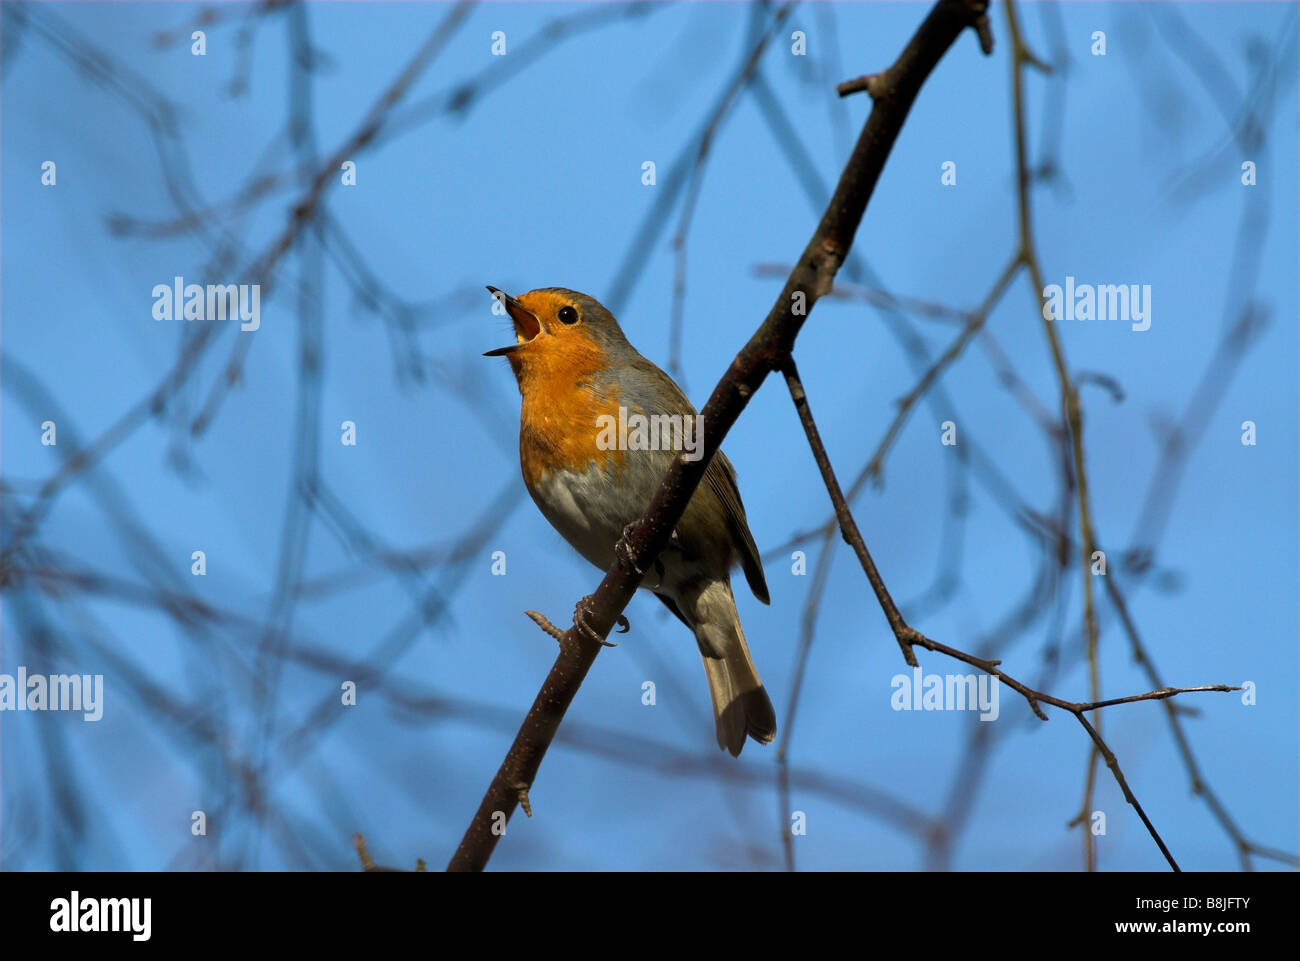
555	326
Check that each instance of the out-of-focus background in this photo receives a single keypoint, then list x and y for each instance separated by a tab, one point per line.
507	144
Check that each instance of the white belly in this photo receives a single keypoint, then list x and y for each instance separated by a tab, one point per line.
590	513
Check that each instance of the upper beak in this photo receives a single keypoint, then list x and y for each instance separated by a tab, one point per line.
527	326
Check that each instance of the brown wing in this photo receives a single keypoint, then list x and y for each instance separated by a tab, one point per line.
720	476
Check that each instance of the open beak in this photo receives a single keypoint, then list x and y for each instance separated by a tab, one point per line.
527	326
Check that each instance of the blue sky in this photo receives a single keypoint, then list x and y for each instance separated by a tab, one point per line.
539	183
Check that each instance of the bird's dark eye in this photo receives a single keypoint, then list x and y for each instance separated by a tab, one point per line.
568	315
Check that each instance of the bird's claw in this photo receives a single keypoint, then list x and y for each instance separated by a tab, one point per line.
627	557
623	548
582	611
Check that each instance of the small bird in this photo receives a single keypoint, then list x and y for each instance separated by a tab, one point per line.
578	375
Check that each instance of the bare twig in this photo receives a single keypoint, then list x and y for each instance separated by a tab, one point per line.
541	621
908	637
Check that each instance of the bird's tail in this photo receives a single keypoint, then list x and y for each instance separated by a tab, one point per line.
740	704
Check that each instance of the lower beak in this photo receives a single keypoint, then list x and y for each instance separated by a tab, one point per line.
527	326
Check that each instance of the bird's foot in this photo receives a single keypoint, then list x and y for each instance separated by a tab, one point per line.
581	614
623	549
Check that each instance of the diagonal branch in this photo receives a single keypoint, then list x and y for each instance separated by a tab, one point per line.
766	351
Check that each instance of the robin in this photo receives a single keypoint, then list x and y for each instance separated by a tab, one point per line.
582	385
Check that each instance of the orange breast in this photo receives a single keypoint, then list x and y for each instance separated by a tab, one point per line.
562	398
